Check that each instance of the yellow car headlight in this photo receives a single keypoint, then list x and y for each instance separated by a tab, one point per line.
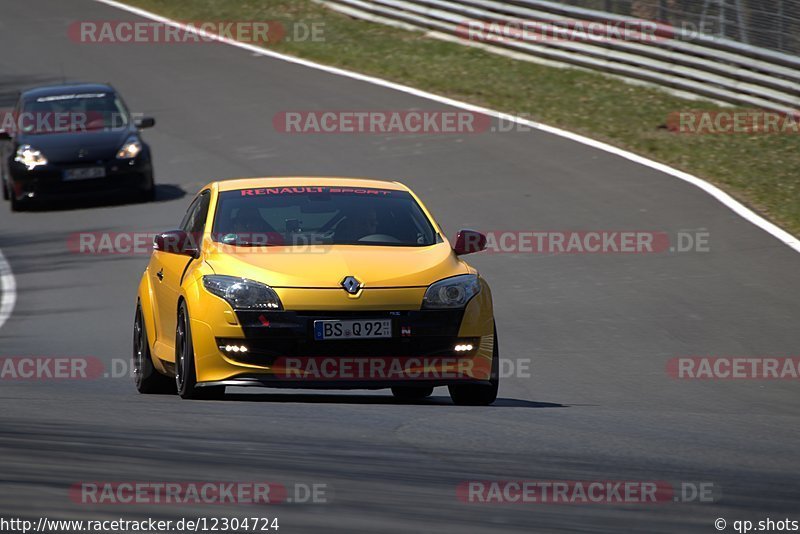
243	294
452	292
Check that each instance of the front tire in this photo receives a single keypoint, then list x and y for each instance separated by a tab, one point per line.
185	371
146	377
479	394
148	194
16	205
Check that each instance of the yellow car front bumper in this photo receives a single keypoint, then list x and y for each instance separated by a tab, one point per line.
281	350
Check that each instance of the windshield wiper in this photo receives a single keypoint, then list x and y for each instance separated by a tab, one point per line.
251	244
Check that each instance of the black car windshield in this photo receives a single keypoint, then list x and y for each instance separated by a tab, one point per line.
77	112
319	215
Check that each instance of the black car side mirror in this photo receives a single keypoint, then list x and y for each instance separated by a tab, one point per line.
145	122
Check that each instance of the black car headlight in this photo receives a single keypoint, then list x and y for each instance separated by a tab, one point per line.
452	292
243	294
30	157
130	149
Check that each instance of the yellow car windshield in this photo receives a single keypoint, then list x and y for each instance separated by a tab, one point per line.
319	215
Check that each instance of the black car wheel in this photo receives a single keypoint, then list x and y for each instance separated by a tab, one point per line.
479	394
16	204
149	193
410	393
145	375
185	372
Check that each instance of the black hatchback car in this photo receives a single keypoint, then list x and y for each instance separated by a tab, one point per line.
73	139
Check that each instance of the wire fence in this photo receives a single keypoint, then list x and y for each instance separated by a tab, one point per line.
772	24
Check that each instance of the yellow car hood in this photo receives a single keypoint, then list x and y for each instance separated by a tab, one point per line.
326	266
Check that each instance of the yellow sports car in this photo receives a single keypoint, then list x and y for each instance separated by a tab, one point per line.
314	283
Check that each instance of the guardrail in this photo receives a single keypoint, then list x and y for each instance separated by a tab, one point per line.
768	24
712	67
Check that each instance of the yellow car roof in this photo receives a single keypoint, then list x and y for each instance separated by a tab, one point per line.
297	181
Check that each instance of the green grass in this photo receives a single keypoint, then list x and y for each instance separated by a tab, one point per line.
760	170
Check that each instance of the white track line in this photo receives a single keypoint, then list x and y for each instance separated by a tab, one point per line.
8	290
723	197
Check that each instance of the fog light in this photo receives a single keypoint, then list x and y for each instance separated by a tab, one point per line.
233	348
463	347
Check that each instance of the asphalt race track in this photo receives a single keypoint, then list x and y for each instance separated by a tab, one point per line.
597	329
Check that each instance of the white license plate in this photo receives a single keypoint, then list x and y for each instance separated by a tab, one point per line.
84	173
353	329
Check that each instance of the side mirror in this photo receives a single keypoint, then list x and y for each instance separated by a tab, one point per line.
469	241
177	242
145	122
5	135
